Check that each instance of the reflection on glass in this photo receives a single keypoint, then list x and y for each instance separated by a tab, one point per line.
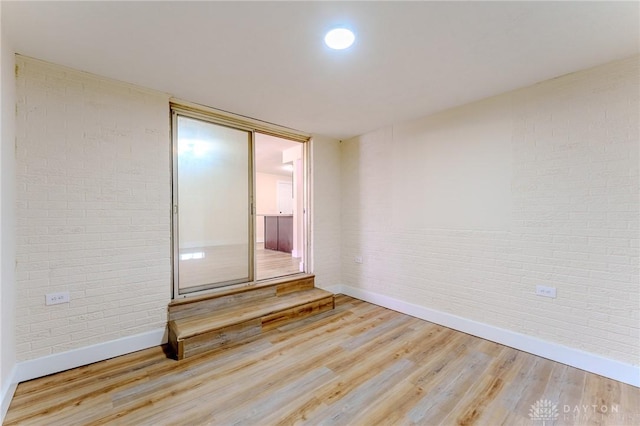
213	201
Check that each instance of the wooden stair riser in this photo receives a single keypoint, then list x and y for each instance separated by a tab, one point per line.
278	319
185	308
174	344
217	338
239	314
216	320
211	305
294	286
239	333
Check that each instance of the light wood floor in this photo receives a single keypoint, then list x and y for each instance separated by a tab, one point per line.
358	365
272	264
201	266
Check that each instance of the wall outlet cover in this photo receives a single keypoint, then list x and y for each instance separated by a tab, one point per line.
57	298
545	291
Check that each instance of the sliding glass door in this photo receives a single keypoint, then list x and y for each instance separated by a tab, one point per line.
212	196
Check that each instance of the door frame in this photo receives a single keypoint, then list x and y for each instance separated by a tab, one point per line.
175	210
223	118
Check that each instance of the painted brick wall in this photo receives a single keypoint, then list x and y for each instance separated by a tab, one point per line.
7	216
326	211
93	209
569	214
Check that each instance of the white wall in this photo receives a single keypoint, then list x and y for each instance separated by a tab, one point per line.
93	208
453	176
294	156
266	199
463	212
326	208
466	211
7	222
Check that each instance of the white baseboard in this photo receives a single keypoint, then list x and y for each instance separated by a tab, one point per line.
335	289
55	363
622	372
6	393
593	363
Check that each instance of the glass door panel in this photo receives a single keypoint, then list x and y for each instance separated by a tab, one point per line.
212	193
279	197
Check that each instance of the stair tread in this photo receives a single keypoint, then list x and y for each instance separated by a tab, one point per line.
193	326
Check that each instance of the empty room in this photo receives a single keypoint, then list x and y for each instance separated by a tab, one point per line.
335	213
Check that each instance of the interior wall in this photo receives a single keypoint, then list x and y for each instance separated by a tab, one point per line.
7	220
294	156
266	199
463	172
93	208
466	211
326	208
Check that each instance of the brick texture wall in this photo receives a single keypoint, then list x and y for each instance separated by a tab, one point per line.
326	210
569	214
93	209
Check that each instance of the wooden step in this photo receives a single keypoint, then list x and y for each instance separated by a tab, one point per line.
214	321
238	295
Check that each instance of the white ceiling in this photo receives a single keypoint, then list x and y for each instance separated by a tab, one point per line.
268	154
266	60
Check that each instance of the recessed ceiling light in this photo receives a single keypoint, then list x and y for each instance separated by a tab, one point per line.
339	38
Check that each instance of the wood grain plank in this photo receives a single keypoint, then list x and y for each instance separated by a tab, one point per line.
222	318
233	334
361	365
346	409
283	317
211	305
293	286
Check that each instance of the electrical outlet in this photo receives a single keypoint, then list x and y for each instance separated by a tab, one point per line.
57	298
544	291
357	259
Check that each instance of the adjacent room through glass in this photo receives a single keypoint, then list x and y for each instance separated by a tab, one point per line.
279	206
238	205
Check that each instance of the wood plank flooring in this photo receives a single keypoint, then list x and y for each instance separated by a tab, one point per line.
357	365
202	265
272	264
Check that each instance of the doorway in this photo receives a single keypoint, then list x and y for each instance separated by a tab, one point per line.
285	197
279	206
232	187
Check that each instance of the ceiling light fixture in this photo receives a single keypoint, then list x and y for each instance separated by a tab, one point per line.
339	38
